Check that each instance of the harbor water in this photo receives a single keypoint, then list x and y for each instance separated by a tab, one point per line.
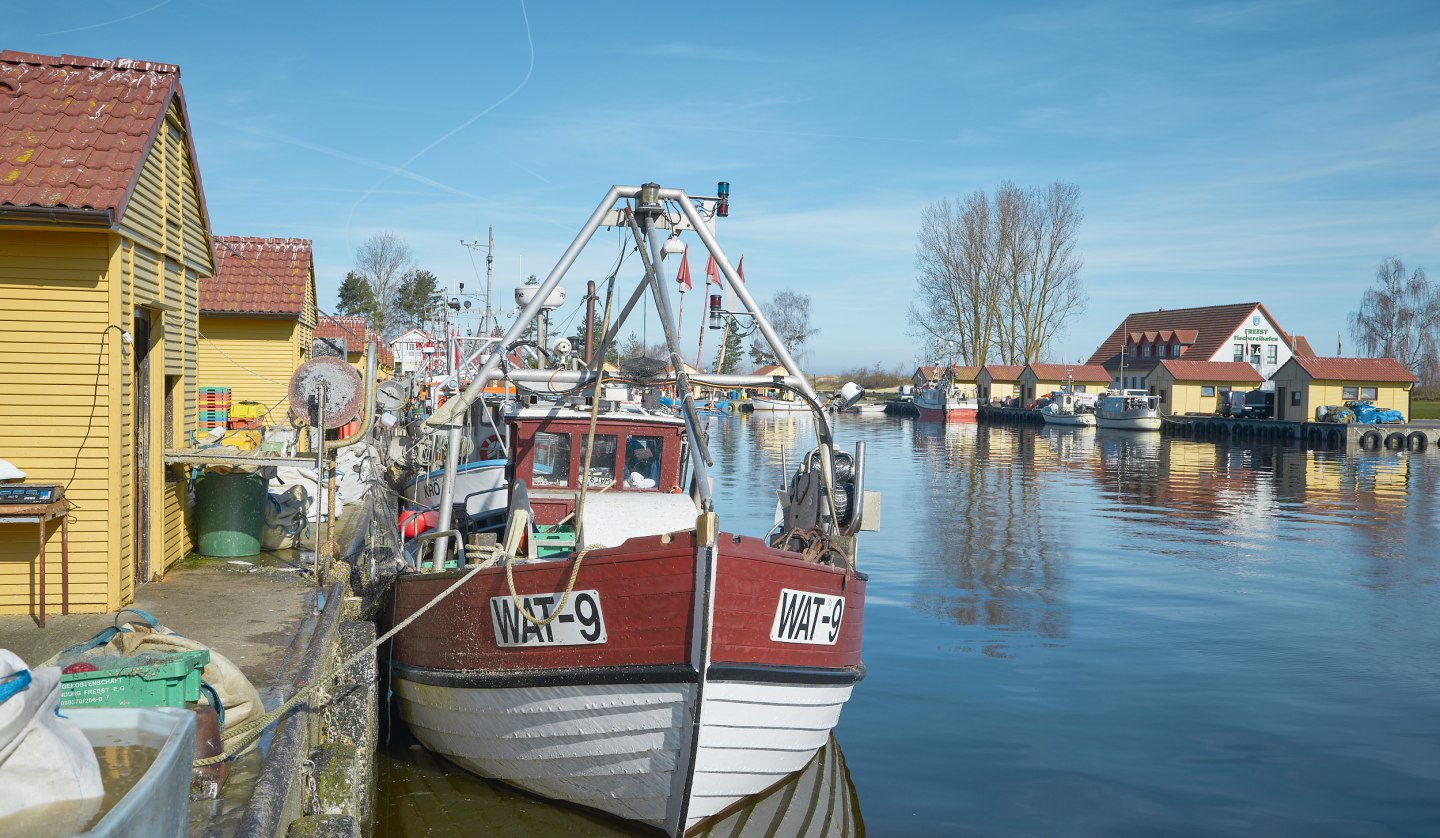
1089	632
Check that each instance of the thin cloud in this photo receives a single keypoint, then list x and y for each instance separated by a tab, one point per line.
131	16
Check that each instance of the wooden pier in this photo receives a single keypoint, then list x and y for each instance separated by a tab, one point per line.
1009	416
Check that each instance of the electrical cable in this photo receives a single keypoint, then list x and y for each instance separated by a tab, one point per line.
94	404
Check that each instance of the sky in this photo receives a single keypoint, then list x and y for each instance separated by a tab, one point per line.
1224	152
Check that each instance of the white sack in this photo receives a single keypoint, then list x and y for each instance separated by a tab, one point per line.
45	759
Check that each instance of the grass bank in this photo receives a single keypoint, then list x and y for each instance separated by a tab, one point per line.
1425	409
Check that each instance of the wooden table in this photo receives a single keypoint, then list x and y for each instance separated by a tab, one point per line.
40	513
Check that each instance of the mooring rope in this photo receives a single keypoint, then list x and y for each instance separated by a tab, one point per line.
240	736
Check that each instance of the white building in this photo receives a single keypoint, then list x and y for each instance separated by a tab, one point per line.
1241	332
410	348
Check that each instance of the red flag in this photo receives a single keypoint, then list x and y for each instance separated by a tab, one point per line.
682	276
712	272
740	269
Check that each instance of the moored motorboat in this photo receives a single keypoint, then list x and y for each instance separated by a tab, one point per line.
1129	410
767	404
1068	409
618	651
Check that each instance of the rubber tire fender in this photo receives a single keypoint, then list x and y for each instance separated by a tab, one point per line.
1395	441
1417	442
1370	440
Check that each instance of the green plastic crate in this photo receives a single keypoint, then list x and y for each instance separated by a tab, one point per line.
145	680
554	541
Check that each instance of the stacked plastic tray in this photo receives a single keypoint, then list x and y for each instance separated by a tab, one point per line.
214	407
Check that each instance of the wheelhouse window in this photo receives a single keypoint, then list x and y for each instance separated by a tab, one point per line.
551	461
1350	393
602	460
1207	389
1369	393
642	461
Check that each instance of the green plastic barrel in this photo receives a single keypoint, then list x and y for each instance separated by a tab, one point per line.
229	513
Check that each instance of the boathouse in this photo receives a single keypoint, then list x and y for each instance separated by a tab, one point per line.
1304	384
997	381
1199	386
772	392
1242	332
1038	379
257	318
104	238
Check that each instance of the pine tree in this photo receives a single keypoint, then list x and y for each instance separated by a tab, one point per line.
727	357
356	298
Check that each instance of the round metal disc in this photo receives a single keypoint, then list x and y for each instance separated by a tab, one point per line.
340	384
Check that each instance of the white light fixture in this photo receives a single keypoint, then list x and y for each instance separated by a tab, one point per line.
673	245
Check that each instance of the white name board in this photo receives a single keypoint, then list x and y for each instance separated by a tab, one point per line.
580	624
805	617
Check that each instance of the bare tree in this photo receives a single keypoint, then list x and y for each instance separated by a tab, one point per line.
789	314
382	261
1400	318
999	278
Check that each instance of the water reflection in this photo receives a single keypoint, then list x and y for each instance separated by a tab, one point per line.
994	554
422	795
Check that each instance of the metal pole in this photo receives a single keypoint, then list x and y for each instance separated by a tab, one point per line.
699	448
320	519
489	268
589	320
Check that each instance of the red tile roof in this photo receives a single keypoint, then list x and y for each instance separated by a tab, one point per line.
771	369
74	132
1003	372
1355	369
258	276
1212	371
1213	326
355	331
1302	347
1087	373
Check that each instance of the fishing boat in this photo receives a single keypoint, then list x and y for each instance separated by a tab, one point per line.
1129	410
1069	410
946	403
618	650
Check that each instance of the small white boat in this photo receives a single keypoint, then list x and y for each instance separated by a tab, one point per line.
1128	410
779	405
870	407
479	485
1069	410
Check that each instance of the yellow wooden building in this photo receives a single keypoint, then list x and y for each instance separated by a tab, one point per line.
1199	386
1304	384
257	318
1037	380
104	238
998	381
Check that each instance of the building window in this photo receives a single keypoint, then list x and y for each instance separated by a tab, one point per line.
1164	395
1294	398
1223	390
1149	350
1349	392
1174	350
1239	351
1078	388
1272	354
1369	393
1131	351
1207	390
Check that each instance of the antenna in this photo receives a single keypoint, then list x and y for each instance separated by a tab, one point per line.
489	249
